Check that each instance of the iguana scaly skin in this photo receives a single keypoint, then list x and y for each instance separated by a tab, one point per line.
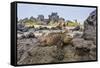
58	39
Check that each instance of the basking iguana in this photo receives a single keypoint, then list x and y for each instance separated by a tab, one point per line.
58	39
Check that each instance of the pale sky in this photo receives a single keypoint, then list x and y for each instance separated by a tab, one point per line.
67	12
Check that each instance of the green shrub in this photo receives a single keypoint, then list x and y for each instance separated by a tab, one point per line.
71	24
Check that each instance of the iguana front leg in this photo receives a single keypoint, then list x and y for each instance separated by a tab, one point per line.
59	52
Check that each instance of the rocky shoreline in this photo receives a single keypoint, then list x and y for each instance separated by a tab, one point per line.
62	46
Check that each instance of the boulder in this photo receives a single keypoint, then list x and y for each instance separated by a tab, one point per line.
84	48
90	27
81	43
21	27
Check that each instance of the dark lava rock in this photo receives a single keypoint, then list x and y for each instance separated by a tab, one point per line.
90	27
21	27
76	28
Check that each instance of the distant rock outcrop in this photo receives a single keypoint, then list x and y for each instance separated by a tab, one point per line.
40	17
33	19
54	17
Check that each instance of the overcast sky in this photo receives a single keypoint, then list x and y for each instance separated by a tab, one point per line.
67	12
